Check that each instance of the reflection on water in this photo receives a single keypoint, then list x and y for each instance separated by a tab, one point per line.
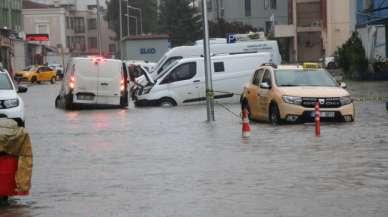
170	162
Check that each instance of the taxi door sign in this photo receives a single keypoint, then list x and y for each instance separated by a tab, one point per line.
37	37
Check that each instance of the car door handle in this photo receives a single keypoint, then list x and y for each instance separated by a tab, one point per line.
196	81
104	84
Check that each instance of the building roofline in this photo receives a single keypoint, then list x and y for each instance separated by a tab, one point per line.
146	37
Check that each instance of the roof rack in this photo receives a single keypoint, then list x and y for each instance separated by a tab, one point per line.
273	65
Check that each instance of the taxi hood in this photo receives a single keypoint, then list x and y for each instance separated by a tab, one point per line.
309	91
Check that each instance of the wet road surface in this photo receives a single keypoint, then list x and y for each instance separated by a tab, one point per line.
158	162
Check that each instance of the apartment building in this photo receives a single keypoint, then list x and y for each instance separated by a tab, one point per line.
258	13
318	27
71	24
10	26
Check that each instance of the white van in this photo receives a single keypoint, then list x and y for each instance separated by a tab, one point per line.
177	53
94	81
184	81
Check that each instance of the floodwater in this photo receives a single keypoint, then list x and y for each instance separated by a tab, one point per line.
158	162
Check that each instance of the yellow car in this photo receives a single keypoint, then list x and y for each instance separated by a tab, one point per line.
289	94
36	74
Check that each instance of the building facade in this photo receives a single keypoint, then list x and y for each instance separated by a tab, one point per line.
258	13
72	25
318	27
10	26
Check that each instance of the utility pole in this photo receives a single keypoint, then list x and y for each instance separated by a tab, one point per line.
121	32
99	28
208	73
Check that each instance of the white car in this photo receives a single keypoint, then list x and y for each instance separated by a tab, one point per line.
11	104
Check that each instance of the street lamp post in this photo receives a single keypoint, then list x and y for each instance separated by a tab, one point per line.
99	28
208	73
121	32
140	16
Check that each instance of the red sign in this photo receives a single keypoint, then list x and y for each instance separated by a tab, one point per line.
37	37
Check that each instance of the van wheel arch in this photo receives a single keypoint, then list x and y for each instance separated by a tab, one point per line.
167	102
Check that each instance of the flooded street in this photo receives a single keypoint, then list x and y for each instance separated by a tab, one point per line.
168	162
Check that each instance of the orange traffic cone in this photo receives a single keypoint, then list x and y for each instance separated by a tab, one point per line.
317	120
246	129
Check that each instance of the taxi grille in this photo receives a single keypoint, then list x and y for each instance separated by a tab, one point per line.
332	102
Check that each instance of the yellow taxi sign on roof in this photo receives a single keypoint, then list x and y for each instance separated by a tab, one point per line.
311	66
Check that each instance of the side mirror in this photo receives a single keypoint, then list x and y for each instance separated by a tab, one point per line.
343	85
265	85
22	89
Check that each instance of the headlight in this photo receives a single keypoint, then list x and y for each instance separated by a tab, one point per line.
345	100
296	100
11	103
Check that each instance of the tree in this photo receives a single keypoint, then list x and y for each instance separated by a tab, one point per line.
351	58
220	28
149	15
180	20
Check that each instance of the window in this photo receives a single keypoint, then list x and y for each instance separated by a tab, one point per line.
219	67
267	78
112	48
78	43
5	83
92	42
248	8
266	4
273	4
209	5
257	76
91	7
92	24
68	23
78	24
42	28
183	72
168	62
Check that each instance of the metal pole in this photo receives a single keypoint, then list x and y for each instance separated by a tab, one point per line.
208	74
99	28
121	32
128	26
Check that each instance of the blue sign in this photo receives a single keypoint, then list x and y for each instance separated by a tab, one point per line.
231	38
147	50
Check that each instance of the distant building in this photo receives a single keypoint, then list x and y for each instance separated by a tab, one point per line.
71	25
258	13
10	26
317	27
372	25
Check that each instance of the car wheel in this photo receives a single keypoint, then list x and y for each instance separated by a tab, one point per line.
3	201
331	65
167	102
274	114
52	80
33	79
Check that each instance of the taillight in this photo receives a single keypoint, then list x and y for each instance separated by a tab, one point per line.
72	82
122	86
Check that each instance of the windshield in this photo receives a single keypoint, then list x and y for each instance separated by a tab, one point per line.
29	68
299	77
5	83
168	63
166	70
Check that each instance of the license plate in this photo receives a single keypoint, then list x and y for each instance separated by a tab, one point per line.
324	114
85	97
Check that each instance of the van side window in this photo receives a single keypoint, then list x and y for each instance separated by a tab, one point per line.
183	72
257	77
168	62
219	67
267	77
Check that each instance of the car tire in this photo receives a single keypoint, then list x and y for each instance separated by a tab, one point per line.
53	80
331	65
3	201
167	102
33	79
274	114
69	102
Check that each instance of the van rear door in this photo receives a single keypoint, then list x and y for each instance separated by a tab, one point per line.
109	72
86	78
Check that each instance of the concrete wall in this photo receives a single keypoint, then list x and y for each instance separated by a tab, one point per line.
148	50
